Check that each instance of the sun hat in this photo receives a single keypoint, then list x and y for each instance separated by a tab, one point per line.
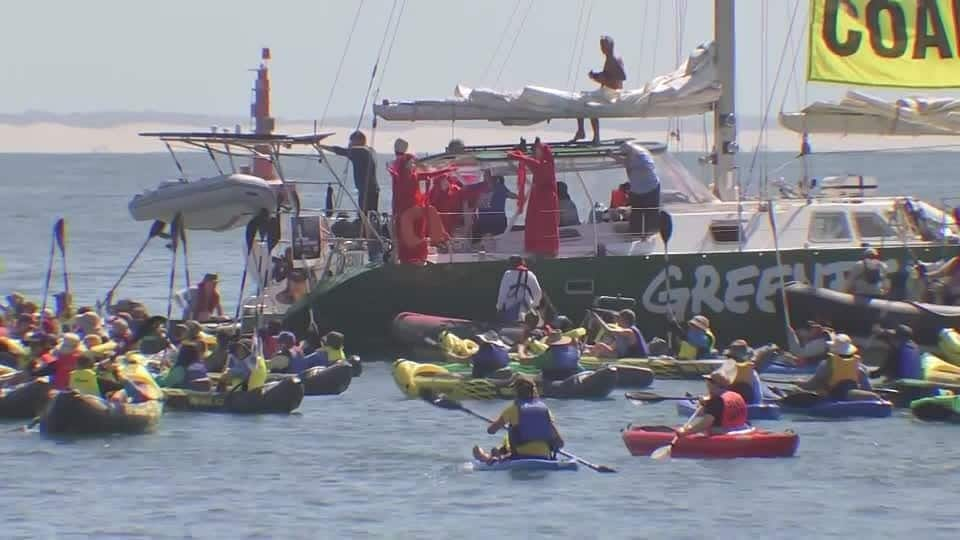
88	323
842	344
738	350
700	322
492	338
70	343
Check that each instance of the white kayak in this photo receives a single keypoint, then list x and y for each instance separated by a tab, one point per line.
217	203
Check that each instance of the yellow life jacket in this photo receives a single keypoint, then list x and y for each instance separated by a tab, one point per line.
258	377
576	333
85	382
689	351
335	355
843	368
744	374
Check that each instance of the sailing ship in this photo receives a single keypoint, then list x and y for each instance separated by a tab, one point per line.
730	255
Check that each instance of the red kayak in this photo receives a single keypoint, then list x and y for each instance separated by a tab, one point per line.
757	443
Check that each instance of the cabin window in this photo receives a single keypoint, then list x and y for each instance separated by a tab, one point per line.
872	225
579	286
830	227
726	231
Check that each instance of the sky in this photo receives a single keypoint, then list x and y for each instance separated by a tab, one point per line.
191	56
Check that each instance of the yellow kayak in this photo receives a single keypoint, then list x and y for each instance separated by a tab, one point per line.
413	379
663	367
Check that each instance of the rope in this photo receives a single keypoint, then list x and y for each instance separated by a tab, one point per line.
376	64
572	76
513	44
383	74
769	104
656	40
583	42
343	57
643	34
503	36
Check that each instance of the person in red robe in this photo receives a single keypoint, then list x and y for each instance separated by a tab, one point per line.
541	235
447	197
413	216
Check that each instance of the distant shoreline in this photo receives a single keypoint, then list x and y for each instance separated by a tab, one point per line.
119	136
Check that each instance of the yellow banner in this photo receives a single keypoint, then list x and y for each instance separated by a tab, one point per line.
902	43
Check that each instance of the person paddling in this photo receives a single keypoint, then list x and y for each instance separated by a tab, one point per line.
491	356
903	360
696	339
744	378
532	431
560	361
842	377
628	340
721	411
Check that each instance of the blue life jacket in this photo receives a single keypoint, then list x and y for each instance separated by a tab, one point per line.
626	349
300	363
564	356
909	364
490	357
195	371
534	425
698	338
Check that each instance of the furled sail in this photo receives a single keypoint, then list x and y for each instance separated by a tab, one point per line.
691	89
859	113
893	43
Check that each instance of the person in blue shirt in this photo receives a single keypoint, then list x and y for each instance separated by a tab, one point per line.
644	188
491	207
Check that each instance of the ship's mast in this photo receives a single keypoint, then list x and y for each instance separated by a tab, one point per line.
725	120
263	123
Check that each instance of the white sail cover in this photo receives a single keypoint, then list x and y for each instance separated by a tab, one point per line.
691	89
859	113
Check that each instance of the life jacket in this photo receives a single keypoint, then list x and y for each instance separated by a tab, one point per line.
491	357
909	363
334	355
564	356
734	411
843	369
746	376
691	351
61	372
619	198
534	424
518	297
638	349
85	382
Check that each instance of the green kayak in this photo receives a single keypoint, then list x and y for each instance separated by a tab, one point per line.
937	409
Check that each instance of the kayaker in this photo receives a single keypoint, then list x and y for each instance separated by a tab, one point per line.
628	340
744	378
721	411
903	359
492	355
41	350
89	324
945	282
245	367
11	353
189	366
842	377
868	276
287	350
203	302
532	430
66	357
560	361
696	339
520	292
810	345
120	334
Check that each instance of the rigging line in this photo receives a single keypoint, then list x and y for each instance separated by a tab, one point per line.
571	76
643	34
796	57
766	113
503	36
583	42
343	57
376	65
656	41
513	44
383	73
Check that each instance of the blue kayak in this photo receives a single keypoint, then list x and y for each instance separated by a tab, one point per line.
527	465
755	411
876	408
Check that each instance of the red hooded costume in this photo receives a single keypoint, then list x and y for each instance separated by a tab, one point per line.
412	227
449	202
541	235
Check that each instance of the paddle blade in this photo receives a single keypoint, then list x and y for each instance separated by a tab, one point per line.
440	400
60	233
644	397
664	452
801	399
156	229
666	226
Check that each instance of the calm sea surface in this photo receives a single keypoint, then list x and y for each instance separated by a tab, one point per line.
370	464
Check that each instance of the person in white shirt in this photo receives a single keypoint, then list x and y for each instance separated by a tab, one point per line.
520	292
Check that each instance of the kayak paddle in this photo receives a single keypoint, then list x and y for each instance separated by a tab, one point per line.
650	397
443	402
664	452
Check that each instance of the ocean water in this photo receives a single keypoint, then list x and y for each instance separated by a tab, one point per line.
369	464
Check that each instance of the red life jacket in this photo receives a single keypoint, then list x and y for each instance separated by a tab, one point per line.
64	365
619	198
734	411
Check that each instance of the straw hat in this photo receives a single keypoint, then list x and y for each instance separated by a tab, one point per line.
718	378
700	322
88	323
738	350
842	344
70	343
